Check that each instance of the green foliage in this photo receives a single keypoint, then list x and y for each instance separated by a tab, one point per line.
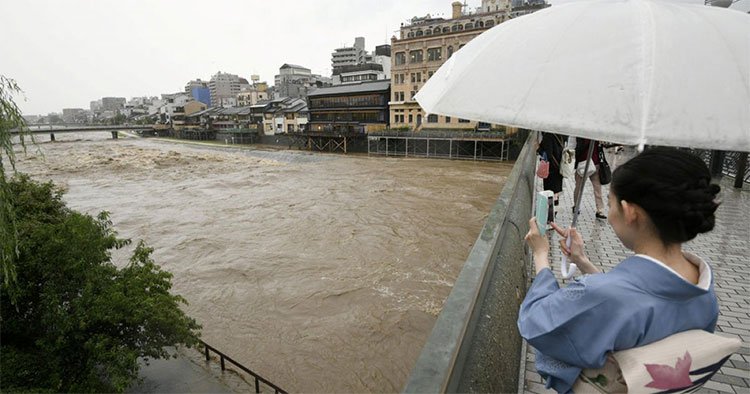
10	118
80	323
118	119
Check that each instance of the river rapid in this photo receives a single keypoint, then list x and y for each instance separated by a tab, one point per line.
321	272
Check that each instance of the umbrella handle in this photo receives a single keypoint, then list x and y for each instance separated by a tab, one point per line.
567	273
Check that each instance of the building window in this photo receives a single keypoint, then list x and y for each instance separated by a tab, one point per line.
419	77
411	118
416	56
429	74
410	35
446	29
413	93
434	54
489	23
447	119
469	26
432	118
419	33
450	51
400	58
480	24
428	32
413	78
463	120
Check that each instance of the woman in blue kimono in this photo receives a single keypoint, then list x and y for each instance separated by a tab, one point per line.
657	201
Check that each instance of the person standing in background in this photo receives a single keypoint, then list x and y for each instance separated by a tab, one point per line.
553	145
582	150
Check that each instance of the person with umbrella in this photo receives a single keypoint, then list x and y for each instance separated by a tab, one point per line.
659	200
633	72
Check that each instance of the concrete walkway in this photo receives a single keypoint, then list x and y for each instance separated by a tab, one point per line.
188	373
726	248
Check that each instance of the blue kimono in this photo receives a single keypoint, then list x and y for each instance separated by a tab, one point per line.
638	302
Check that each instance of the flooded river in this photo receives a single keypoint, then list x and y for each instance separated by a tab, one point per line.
323	273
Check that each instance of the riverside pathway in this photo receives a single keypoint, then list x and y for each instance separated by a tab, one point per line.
726	248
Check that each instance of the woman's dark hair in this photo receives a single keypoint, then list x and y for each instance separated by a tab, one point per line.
673	187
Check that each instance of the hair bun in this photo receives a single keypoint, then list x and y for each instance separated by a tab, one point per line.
674	188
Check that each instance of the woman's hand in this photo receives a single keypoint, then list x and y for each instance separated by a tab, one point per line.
539	245
575	252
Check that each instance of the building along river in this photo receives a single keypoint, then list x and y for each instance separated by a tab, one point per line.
323	273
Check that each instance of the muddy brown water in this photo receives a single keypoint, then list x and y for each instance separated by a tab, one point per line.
323	273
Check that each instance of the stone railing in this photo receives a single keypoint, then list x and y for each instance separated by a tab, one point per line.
474	345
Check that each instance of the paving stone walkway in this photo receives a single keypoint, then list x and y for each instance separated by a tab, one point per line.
726	248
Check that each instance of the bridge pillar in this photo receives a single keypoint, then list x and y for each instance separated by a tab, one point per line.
739	177
52	137
114	135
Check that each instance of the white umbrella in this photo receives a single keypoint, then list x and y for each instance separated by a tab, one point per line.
629	71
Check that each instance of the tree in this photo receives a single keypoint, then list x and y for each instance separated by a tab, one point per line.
118	119
80	323
10	118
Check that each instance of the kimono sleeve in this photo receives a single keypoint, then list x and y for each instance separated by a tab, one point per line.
567	324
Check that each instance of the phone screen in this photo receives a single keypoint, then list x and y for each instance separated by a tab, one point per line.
550	209
545	209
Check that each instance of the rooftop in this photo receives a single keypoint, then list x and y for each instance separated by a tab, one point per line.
362	87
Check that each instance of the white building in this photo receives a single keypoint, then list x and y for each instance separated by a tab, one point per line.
354	64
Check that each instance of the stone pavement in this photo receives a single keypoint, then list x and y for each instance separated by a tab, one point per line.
726	248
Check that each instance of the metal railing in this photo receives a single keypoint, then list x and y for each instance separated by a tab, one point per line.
440	134
726	163
223	357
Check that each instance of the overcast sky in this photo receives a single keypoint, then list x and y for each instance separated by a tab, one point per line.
66	53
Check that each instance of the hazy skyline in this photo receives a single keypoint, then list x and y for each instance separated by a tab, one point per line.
65	54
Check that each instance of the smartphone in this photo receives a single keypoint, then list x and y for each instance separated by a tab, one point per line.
545	209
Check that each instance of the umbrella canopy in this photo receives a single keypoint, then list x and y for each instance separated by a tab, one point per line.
628	71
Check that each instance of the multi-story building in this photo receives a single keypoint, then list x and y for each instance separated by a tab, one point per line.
173	109
296	81
95	106
113	103
382	56
349	56
354	108
223	88
359	73
354	64
199	91
423	46
285	115
251	97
